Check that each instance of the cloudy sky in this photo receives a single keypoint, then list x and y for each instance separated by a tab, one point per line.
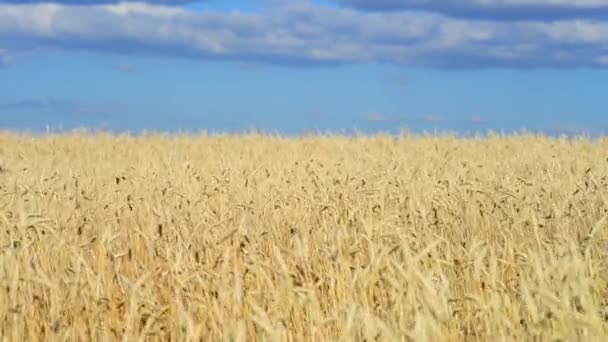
291	66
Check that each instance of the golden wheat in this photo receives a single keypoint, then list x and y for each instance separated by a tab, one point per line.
253	237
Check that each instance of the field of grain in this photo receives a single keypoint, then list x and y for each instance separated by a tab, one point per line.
253	237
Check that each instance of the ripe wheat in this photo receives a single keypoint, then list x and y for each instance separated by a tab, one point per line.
253	237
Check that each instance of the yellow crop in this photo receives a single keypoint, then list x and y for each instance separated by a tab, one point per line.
254	237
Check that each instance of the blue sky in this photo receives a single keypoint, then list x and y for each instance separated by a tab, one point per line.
298	65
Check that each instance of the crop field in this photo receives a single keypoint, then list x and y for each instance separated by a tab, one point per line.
316	238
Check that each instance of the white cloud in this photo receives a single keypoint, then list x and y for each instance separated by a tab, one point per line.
39	21
140	8
97	2
301	33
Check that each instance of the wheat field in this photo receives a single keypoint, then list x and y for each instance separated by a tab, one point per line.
313	238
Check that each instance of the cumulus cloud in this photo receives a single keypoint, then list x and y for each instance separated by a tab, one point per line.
97	2
494	9
305	34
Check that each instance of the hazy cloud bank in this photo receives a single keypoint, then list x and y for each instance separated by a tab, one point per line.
492	9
